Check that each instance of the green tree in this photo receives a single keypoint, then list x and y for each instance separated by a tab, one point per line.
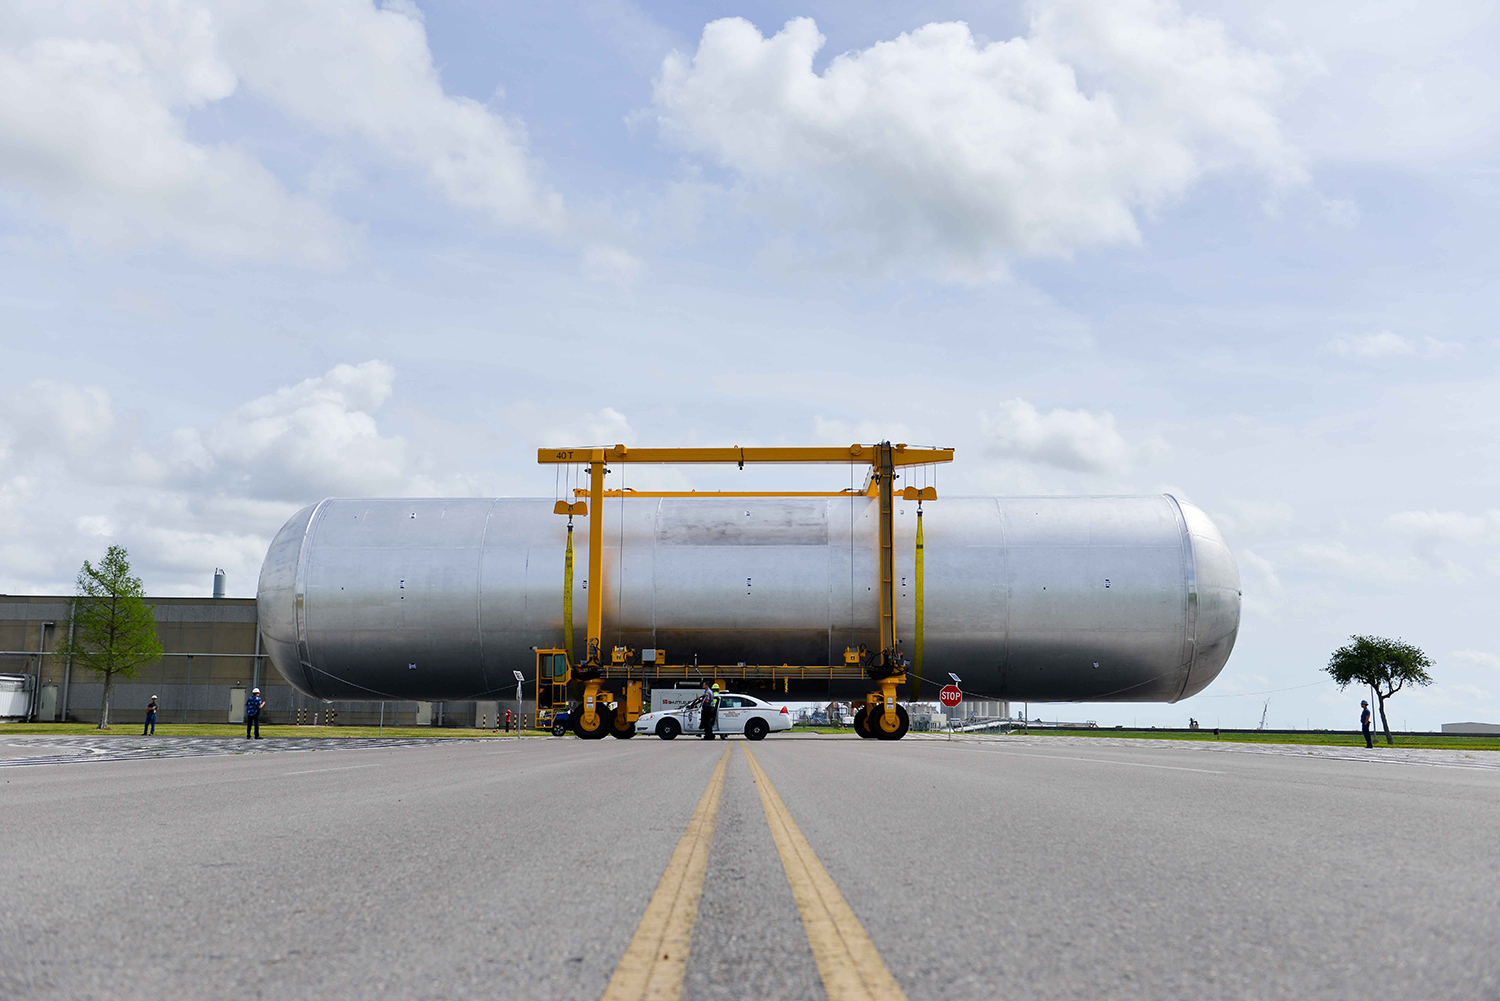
1384	665
114	630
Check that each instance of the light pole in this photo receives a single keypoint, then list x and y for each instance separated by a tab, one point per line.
957	681
519	679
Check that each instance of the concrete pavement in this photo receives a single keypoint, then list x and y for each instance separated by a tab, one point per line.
1028	867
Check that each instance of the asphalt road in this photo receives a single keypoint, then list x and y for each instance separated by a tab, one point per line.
1013	867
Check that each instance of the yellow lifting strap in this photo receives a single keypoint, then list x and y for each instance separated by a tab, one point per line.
580	508
920	623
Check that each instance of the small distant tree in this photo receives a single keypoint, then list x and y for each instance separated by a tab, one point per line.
1384	665
114	630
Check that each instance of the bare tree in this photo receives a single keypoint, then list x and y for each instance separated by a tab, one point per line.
114	630
1385	665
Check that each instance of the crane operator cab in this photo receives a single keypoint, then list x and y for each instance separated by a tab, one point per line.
552	677
560	699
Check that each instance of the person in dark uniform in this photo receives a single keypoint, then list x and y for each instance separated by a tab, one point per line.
709	715
150	718
1364	721
253	705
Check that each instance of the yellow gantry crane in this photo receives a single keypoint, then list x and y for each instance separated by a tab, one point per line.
599	711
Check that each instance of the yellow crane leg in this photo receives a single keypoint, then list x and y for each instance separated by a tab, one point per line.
627	711
593	657
595	718
886	472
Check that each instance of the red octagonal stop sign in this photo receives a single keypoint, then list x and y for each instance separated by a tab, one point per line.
951	696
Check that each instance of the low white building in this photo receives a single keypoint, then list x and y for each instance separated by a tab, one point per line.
1473	729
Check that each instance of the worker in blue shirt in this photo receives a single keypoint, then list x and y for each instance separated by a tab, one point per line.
253	705
1364	721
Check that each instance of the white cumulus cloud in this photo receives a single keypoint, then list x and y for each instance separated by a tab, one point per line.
610	265
1384	344
76	474
96	97
313	439
1479	658
933	142
352	67
94	129
1451	526
1076	440
1249	518
606	426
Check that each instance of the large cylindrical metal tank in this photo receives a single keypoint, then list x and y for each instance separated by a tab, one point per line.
1046	599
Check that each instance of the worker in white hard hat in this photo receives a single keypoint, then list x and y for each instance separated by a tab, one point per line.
253	705
150	718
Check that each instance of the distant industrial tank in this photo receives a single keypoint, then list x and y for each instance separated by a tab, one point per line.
1044	599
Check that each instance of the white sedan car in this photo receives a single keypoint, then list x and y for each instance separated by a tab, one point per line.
737	714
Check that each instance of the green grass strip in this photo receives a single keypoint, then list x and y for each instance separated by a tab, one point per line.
238	730
1322	738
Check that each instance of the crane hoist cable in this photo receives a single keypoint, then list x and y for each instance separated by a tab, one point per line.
620	580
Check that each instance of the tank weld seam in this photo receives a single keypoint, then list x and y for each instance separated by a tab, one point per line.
1190	603
299	593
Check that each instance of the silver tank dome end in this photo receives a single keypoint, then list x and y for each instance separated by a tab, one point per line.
276	601
1217	622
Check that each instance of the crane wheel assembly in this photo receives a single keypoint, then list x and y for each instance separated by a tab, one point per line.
872	722
862	723
594	728
881	728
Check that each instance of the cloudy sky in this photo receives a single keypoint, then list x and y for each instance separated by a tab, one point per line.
257	254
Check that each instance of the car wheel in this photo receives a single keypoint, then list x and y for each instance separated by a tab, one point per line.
558	729
756	729
668	729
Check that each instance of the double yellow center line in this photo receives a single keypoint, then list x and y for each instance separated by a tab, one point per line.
656	960
654	964
847	960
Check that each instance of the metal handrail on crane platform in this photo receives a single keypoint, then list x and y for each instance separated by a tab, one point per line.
884	458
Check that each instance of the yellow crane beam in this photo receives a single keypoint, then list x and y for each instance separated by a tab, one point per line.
901	455
644	494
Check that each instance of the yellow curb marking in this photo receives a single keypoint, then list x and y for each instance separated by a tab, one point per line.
847	960
654	964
